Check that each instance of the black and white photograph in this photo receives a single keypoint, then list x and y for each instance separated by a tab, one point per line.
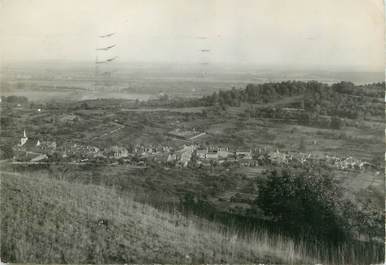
192	132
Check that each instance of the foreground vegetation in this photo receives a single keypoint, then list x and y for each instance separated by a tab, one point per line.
51	221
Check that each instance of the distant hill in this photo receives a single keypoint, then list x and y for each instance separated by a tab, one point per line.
343	99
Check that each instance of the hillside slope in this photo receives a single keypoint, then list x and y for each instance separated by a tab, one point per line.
51	221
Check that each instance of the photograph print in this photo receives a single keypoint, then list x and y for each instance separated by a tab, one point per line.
192	132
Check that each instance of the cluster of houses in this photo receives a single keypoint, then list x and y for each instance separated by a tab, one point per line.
278	157
342	163
75	152
222	154
35	150
347	163
83	152
207	155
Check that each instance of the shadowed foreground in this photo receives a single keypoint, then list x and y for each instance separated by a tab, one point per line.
51	221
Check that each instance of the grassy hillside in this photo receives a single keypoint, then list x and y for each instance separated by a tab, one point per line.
50	221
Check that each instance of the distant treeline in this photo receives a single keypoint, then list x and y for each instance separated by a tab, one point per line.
14	99
343	99
314	92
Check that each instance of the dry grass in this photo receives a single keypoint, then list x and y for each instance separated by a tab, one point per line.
52	221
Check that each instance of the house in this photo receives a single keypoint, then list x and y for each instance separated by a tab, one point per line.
46	146
171	158
68	118
212	155
261	158
39	158
119	152
224	153
277	157
185	158
247	155
165	149
185	154
201	153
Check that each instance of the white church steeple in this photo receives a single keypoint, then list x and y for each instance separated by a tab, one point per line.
24	139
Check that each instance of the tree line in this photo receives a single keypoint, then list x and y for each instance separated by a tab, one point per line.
343	99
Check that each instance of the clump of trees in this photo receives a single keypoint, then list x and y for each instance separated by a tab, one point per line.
336	123
14	99
6	151
307	118
255	93
343	99
312	205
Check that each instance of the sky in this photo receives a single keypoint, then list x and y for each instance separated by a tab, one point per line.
301	33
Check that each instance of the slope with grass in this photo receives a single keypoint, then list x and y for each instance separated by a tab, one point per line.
51	221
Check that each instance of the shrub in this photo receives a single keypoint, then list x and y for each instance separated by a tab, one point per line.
307	205
336	123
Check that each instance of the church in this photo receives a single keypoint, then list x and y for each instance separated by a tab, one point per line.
24	139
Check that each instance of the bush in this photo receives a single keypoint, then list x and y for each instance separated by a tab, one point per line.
6	151
336	123
305	205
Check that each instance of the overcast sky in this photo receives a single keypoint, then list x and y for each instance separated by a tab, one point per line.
321	33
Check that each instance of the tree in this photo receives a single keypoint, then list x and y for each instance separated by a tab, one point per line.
336	123
302	144
6	152
303	204
305	118
302	104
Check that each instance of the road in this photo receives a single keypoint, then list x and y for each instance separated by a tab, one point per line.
109	133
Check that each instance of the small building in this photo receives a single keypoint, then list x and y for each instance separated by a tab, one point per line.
119	152
201	153
246	155
39	158
185	154
224	153
212	155
47	147
277	157
171	158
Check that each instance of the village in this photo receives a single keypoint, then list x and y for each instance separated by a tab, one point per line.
35	151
